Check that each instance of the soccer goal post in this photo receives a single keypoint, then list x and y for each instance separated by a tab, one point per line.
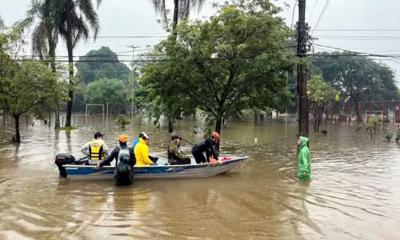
92	105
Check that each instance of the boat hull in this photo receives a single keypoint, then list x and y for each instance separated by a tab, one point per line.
89	172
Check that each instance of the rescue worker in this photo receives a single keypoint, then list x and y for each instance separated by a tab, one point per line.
116	153
124	161
304	161
142	151
208	146
175	154
96	149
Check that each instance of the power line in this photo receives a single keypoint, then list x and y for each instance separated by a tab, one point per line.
312	11
294	9
357	30
352	53
124	36
320	16
355	37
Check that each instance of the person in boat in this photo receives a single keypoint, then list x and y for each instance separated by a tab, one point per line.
123	173
136	141
175	154
142	151
120	153
304	159
209	147
96	149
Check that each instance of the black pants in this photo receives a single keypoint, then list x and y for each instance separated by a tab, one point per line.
198	156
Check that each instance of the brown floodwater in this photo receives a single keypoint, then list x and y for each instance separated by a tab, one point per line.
354	193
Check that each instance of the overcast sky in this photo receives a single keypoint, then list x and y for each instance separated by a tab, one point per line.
138	18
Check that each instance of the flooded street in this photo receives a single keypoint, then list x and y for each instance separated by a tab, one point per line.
354	193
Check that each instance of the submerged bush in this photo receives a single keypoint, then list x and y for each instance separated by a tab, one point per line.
122	121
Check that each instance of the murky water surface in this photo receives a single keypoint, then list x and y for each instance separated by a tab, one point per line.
354	193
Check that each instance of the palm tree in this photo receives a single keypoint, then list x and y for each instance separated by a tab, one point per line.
182	10
74	20
45	34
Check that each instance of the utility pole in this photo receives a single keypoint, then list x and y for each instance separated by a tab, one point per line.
302	70
133	75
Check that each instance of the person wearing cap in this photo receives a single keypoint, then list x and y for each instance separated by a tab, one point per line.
120	152
175	154
142	151
208	146
96	149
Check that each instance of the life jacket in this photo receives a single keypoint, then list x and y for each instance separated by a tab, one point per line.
96	149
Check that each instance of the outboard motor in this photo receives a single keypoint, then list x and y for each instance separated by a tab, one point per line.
62	159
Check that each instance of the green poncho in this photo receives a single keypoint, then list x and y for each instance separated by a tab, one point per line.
304	163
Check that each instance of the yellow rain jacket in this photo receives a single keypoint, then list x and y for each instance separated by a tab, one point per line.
142	154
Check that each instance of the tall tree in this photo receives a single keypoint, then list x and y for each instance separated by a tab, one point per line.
320	95
182	9
75	18
227	63
32	89
102	63
113	91
354	77
45	35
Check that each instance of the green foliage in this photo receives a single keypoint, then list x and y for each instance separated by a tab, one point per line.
33	87
74	20
320	92
108	90
122	121
353	76
181	8
237	59
45	33
102	63
372	125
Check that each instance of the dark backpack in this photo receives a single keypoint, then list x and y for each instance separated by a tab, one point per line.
123	173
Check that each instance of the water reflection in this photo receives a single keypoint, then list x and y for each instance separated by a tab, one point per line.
354	188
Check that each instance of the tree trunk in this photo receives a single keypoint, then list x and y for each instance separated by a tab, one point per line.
71	73
255	116
52	54
318	112
175	17
57	120
17	138
4	118
170	125
359	116
218	124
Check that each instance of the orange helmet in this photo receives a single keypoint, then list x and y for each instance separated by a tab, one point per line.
123	138
215	135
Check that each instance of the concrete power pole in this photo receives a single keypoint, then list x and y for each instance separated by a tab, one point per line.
133	76
302	70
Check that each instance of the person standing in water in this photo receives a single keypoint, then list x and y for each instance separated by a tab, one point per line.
304	160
